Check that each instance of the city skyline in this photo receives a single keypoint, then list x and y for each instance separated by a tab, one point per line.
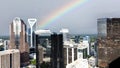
78	18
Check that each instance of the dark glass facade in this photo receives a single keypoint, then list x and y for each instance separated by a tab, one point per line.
57	56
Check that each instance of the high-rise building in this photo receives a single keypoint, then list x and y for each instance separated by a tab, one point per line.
70	53
32	23
10	58
108	42
42	58
57	57
66	36
73	52
18	39
86	42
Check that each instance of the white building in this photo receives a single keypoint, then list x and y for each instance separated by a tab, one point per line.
80	63
6	43
1	42
82	52
65	33
86	42
92	61
73	52
70	52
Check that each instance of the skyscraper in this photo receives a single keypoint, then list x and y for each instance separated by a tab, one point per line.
57	57
108	41
18	39
32	22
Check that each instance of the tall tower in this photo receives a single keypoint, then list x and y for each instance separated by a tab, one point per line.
108	42
57	56
18	39
65	33
32	22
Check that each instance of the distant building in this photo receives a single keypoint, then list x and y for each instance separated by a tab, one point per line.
86	42
1	44
1	41
18	39
108	41
32	23
33	35
77	39
41	54
10	58
42	45
66	36
75	51
6	43
57	56
82	51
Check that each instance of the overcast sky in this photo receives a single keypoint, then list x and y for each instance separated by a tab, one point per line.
83	19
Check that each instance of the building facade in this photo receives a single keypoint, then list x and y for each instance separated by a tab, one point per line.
57	56
10	58
18	40
70	53
108	41
79	63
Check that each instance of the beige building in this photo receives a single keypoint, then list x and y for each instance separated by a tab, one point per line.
18	40
10	58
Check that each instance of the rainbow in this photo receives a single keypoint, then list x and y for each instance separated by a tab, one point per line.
60	12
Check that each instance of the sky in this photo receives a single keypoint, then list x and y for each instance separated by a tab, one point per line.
80	20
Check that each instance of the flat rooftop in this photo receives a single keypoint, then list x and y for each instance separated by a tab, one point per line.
9	51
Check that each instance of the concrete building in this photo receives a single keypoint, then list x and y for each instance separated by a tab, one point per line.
82	51
70	53
74	51
10	58
18	40
86	42
66	36
108	42
80	63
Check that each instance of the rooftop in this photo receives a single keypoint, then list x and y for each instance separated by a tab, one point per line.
8	51
80	63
